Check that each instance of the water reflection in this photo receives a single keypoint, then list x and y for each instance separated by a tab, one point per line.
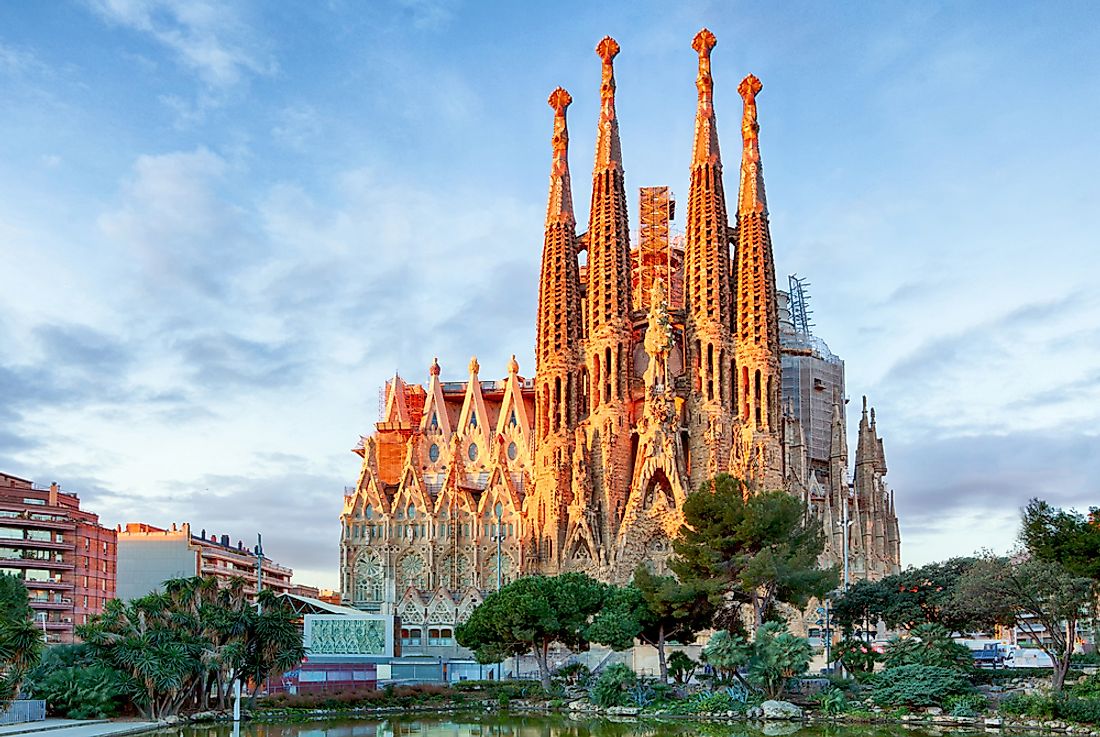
487	725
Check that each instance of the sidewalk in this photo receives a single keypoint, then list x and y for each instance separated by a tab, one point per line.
76	728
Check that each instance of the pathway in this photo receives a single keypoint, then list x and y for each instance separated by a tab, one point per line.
76	728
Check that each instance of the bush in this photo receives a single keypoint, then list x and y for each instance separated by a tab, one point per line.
1050	706
613	686
965	705
1087	688
918	685
85	692
856	656
929	644
681	666
1038	706
1079	710
832	701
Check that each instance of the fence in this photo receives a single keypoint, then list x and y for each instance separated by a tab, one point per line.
24	710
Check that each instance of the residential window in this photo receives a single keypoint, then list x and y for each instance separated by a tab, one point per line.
410	636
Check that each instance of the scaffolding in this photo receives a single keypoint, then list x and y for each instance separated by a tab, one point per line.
800	304
654	258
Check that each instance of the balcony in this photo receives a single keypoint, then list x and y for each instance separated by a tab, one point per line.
63	604
52	565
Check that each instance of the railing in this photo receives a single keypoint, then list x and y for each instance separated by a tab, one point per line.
24	710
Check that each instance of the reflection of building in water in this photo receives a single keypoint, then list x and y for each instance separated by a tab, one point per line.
656	368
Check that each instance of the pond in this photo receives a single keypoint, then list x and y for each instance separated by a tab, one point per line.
497	725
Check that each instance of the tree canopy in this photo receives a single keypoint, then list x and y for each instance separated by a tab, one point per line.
755	549
1039	596
20	640
1063	536
532	613
926	594
655	609
175	645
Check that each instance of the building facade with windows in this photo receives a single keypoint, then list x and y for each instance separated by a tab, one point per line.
148	556
66	559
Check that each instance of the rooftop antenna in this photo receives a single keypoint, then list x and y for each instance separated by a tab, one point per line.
800	304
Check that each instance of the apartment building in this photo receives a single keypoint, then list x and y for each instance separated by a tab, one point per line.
66	559
149	555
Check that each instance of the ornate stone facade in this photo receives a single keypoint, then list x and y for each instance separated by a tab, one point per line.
586	466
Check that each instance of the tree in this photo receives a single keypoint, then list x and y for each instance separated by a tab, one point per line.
1036	595
530	614
682	667
773	658
1066	537
176	644
755	549
20	640
861	605
655	609
927	594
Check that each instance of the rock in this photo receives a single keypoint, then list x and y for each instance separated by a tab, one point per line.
624	711
992	722
772	709
577	705
933	711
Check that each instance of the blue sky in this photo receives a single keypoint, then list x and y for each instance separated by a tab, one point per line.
223	225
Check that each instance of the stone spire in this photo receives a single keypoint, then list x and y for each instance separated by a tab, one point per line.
707	300
609	292
756	328
608	348
558	341
751	198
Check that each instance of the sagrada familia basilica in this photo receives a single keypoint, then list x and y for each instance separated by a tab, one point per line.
656	368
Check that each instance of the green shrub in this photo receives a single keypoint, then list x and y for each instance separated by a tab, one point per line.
832	701
1038	706
1053	706
613	686
918	685
681	666
1087	688
1080	659
856	656
1079	710
710	702
965	705
84	691
928	644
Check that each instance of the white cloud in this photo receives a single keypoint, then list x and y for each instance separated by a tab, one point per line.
206	37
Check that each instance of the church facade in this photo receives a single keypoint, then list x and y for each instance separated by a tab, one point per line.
658	366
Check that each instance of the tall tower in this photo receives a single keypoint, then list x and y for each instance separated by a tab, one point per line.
707	300
758	453
608	347
557	346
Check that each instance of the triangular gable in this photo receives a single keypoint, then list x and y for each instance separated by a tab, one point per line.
435	420
473	420
397	412
500	488
412	487
514	420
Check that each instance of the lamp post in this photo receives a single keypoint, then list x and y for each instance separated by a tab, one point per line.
499	509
